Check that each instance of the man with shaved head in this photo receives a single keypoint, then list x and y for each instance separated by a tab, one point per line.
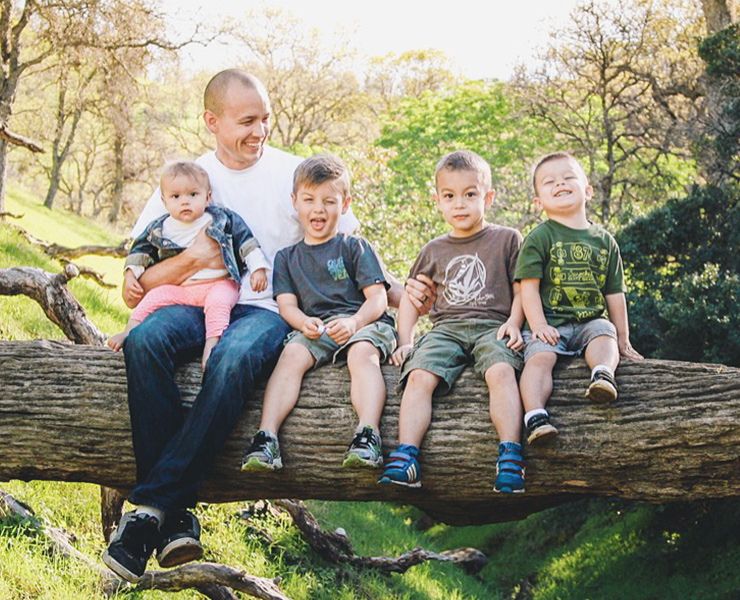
173	451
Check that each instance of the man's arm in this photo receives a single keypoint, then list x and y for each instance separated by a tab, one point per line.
376	302
616	304
532	306
422	292
205	253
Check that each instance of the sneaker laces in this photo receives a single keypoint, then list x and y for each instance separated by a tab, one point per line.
362	438
259	443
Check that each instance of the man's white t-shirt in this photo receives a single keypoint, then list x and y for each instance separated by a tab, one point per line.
260	195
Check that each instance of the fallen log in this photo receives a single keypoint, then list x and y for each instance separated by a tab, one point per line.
672	435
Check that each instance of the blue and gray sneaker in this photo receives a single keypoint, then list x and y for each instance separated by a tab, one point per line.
509	469
365	449
263	454
403	468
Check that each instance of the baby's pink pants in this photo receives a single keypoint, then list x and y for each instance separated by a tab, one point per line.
217	298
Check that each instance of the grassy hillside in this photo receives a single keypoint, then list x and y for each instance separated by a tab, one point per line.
589	550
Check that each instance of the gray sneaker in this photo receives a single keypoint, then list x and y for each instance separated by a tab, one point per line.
365	449
263	454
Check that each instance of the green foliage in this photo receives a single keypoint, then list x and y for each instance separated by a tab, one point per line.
684	267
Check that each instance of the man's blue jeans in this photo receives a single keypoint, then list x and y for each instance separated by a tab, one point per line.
174	448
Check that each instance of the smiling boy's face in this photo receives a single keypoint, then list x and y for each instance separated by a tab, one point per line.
319	209
462	197
562	188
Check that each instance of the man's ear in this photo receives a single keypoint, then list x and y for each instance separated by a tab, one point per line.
345	204
211	120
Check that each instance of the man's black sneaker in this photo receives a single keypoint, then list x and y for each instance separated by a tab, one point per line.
603	388
132	545
540	429
180	539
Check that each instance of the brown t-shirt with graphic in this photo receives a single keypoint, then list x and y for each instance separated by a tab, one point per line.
474	275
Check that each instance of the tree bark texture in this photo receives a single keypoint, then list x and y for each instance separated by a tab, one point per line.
672	435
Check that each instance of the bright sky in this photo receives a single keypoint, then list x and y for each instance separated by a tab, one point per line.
485	38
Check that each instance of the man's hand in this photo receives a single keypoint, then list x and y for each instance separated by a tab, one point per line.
627	351
400	354
422	292
132	290
342	329
206	251
516	342
546	333
312	328
258	280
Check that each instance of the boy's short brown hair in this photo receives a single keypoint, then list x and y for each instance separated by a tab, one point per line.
316	170
188	168
465	160
553	156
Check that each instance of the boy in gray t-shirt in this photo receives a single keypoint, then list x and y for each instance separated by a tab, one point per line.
476	309
331	289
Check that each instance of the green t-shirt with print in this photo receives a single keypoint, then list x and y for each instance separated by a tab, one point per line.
577	268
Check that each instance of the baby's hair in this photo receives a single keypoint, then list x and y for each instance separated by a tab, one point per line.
465	160
550	157
187	168
218	86
316	170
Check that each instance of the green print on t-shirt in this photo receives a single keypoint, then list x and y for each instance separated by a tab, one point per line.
337	269
578	272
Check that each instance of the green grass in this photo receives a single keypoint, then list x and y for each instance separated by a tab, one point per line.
588	550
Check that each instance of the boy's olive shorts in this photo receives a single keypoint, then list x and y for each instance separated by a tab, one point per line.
574	337
448	348
325	350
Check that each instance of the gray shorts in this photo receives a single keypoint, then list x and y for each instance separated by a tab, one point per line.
325	350
573	340
448	348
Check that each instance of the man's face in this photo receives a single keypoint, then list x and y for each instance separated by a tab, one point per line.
462	198
562	188
185	198
242	126
319	209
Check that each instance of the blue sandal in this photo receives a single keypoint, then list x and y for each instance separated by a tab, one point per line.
403	468
509	469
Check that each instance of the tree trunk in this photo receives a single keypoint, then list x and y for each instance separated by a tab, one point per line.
3	168
718	14
672	435
117	194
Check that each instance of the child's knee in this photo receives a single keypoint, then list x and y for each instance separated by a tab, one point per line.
500	374
296	354
541	362
419	378
361	352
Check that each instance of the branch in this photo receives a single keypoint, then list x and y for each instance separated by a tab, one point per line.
207	574
18	140
51	292
58	541
336	547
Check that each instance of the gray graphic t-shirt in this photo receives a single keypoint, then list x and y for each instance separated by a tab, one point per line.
474	275
328	278
577	268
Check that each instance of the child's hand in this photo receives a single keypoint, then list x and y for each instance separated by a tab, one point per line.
132	290
400	354
258	280
342	329
312	328
626	350
115	342
546	333
516	342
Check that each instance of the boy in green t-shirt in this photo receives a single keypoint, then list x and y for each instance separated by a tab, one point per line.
571	276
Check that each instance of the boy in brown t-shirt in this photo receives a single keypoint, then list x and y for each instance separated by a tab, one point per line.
476	309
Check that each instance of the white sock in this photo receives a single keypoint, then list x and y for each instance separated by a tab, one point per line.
152	512
532	413
598	368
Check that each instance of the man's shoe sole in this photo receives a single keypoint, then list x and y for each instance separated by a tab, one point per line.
119	569
543	434
254	464
601	392
179	552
